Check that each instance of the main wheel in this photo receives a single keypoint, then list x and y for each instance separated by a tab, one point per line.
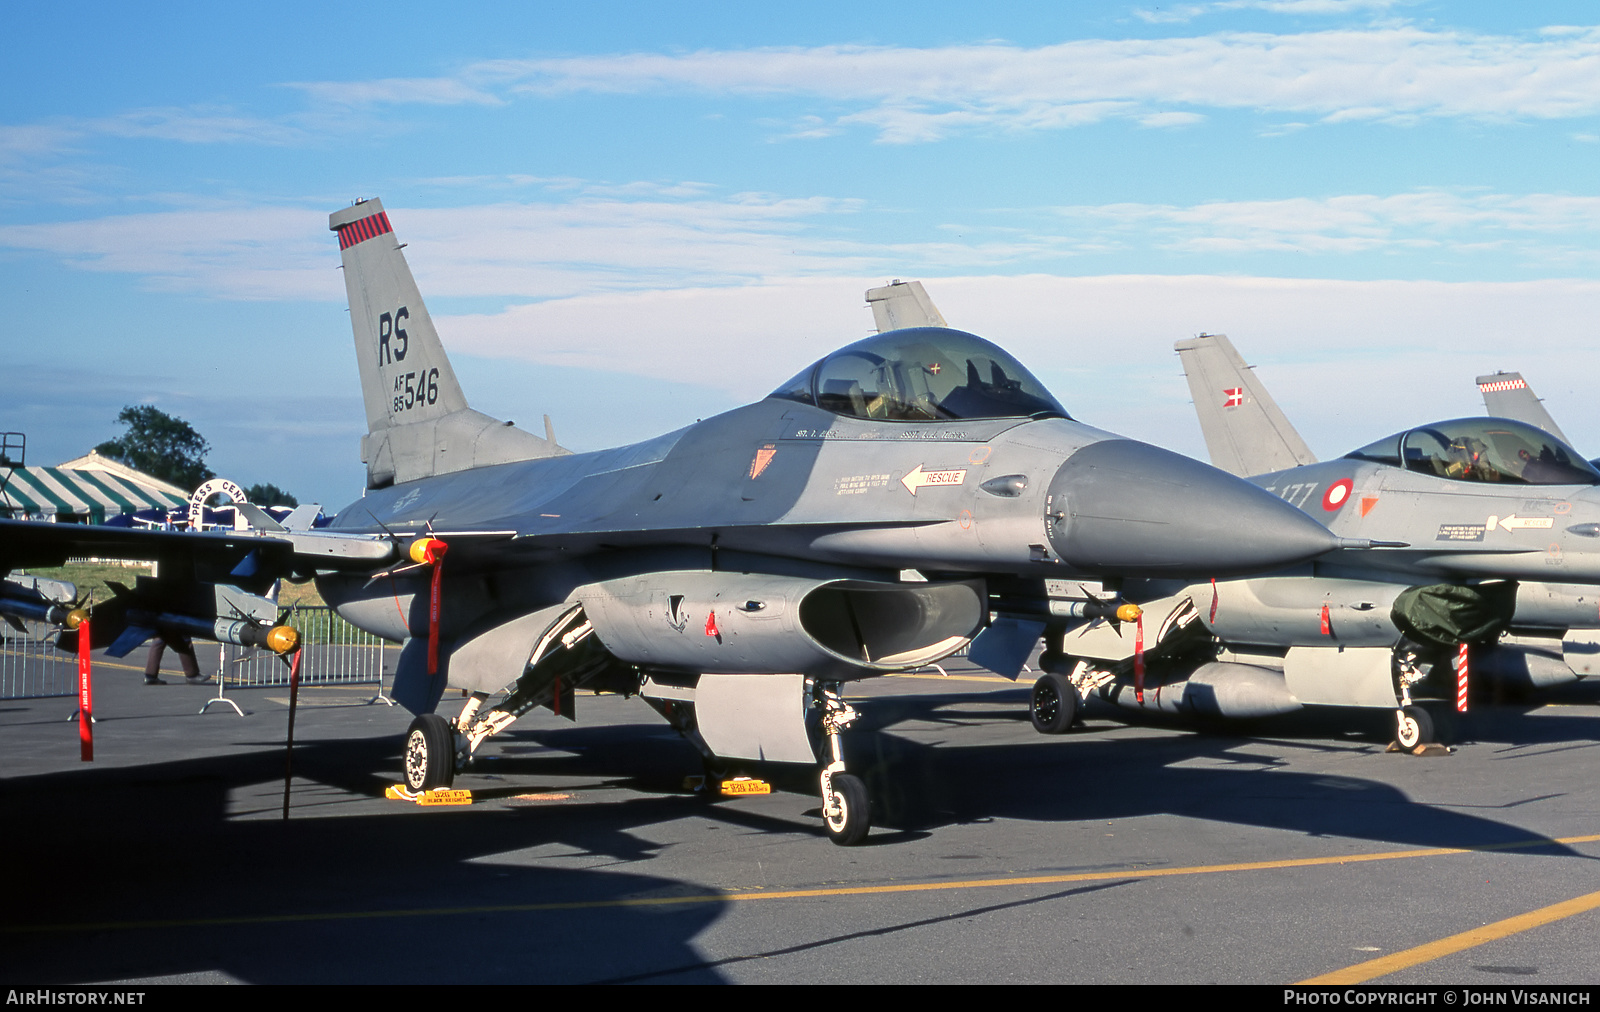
1054	705
1413	727
849	826
430	753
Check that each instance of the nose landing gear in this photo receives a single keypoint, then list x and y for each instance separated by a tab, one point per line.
846	807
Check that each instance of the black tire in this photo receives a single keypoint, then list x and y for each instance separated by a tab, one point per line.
1413	727
855	811
1054	705
430	754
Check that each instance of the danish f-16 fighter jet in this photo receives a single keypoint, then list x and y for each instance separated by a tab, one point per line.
734	573
1492	526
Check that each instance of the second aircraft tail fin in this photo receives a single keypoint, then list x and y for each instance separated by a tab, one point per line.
418	421
1507	395
902	304
1246	432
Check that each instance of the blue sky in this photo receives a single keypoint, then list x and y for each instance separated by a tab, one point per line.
633	215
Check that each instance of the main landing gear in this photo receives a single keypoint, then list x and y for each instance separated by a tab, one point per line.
846	808
1054	705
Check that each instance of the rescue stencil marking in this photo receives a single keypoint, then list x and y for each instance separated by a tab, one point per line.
918	478
1516	523
1367	502
1337	494
1460	532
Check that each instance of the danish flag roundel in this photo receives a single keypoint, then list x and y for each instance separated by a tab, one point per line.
1337	494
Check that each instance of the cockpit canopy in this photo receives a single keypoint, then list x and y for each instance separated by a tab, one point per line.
1496	450
922	374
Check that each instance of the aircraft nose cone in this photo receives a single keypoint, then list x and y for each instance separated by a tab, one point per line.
1124	507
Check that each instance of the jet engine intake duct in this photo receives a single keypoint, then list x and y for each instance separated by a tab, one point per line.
733	623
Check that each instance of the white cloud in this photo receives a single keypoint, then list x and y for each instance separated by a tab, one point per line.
246	252
196	125
532	250
1171	119
394	90
1173	13
1391	72
651	236
1348	360
1538	226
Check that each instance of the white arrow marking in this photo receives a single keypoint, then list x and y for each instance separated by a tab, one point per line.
1516	523
918	478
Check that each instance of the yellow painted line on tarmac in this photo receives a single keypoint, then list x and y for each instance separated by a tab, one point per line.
958	678
789	894
1384	965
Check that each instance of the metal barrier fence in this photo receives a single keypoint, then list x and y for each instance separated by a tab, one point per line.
31	667
333	652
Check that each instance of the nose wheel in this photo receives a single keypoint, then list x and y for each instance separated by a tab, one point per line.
430	754
846	806
1413	727
848	818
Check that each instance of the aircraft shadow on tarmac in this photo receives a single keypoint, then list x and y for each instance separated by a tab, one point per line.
1059	779
156	843
154	846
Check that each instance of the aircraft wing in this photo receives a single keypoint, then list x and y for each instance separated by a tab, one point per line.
226	556
1507	395
1246	432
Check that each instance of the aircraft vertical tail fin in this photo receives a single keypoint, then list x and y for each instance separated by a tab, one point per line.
418	421
1246	433
1507	395
902	304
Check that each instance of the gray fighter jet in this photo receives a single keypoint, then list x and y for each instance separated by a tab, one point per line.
861	519
1494	525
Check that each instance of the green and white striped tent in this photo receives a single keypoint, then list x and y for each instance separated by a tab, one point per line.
88	489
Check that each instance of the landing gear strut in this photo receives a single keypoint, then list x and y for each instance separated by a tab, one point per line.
846	808
1413	725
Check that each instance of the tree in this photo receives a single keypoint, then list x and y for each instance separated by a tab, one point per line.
268	494
161	446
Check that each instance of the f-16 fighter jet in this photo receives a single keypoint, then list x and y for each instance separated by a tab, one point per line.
733	573
1494	534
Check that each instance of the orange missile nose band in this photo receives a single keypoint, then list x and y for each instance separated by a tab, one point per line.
427	551
1128	612
282	638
